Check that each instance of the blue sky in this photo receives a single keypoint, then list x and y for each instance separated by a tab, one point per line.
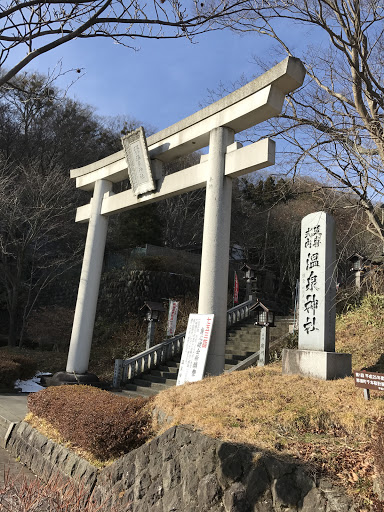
163	82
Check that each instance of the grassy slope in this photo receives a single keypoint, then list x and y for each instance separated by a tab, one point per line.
327	424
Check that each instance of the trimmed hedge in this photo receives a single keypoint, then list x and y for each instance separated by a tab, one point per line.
94	420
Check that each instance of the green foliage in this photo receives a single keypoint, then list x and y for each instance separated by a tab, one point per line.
94	420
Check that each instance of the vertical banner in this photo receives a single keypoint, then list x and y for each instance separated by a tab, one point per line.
195	348
172	317
236	290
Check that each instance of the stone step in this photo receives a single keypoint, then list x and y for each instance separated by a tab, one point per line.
135	390
232	361
242	350
171	364
244	344
165	374
248	332
147	383
158	379
234	353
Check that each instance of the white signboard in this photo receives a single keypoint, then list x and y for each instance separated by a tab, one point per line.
139	167
195	348
172	317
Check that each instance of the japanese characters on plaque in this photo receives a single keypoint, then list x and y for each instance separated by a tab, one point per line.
369	380
317	283
195	350
138	163
172	317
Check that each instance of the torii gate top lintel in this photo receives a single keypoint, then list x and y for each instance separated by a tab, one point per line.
213	126
251	104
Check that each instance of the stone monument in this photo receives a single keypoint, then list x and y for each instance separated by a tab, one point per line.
316	356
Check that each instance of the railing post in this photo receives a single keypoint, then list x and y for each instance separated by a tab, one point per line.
128	369
124	376
117	373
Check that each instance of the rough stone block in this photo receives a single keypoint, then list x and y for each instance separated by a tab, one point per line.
235	499
317	364
209	492
285	492
257	484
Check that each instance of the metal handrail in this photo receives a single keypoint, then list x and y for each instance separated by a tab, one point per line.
128	369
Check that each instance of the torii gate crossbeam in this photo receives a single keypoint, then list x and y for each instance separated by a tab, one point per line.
213	126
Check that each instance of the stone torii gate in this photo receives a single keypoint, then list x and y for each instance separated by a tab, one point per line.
213	126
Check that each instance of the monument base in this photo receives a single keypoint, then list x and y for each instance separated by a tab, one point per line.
61	378
317	364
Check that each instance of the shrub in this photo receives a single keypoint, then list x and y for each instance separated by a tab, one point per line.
94	420
15	366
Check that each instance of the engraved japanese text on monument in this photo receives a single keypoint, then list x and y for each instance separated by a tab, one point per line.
317	282
139	168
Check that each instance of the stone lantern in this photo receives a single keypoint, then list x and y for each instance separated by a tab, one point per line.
152	311
358	264
250	276
265	317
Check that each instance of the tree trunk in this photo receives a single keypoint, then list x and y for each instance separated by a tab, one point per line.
13	307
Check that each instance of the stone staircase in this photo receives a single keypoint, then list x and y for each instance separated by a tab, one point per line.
242	341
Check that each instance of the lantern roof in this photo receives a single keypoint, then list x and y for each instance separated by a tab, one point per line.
247	266
265	305
153	306
356	256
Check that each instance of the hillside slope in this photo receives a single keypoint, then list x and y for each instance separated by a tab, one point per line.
326	424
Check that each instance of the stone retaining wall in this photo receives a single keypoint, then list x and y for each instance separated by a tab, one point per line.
123	291
185	471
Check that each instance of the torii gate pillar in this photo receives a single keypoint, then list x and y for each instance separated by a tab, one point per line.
216	238
213	126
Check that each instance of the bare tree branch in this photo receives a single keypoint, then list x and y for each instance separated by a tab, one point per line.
39	27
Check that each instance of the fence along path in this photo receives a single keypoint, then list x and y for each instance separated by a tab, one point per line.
155	369
128	369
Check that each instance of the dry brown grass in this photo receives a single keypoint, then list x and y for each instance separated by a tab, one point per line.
327	424
261	406
360	332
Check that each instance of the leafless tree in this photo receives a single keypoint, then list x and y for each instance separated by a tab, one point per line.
35	245
38	27
334	123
